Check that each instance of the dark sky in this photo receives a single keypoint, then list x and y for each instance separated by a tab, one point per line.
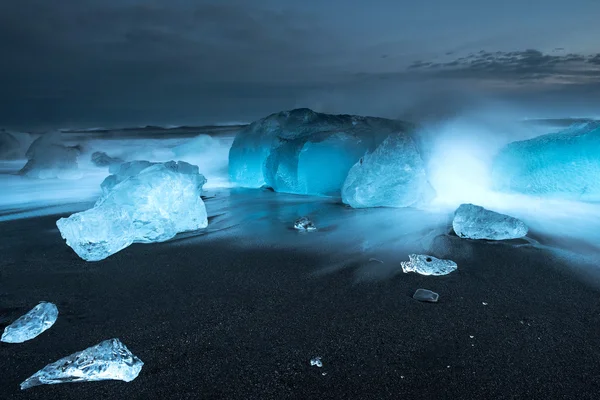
125	62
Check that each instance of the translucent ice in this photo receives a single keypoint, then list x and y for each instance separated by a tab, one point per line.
562	165
304	224
108	360
152	205
305	152
49	158
474	222
427	265
426	296
32	324
391	176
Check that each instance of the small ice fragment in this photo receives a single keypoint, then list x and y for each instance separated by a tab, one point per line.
32	324
316	362
471	336
108	360
484	303
304	224
428	265
426	296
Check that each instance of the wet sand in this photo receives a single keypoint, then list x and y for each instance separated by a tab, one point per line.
213	321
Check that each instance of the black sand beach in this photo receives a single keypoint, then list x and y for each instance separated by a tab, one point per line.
212	321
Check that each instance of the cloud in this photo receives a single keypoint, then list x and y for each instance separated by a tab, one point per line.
519	67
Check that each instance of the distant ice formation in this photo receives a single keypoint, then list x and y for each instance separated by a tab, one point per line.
101	159
37	320
560	165
10	147
143	202
427	265
108	360
391	176
305	152
475	222
49	159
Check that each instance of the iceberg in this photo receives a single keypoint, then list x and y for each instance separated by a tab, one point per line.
29	326
475	222
305	152
560	165
48	158
427	265
108	360
151	205
391	176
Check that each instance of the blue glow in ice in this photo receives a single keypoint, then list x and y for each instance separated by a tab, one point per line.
305	152
37	320
560	165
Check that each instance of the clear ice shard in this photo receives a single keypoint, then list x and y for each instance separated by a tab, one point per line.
151	205
426	296
475	222
48	158
37	320
108	360
304	224
562	165
428	265
391	176
305	152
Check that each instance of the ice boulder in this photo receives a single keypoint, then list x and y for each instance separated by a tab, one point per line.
34	323
49	159
10	147
475	222
391	176
305	152
152	205
560	165
108	360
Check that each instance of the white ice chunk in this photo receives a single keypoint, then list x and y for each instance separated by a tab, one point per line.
392	176
427	265
425	295
108	360
316	362
37	320
475	222
153	205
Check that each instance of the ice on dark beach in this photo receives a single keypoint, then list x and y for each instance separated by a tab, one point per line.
32	324
316	362
427	265
474	222
304	224
108	360
426	296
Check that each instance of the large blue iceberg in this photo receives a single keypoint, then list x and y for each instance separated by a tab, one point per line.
391	176
305	152
142	203
561	165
